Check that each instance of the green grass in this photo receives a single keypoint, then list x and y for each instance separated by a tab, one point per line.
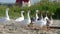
14	11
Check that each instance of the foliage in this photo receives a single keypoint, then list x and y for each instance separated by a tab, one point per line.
43	6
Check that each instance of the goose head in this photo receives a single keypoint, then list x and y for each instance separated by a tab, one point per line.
37	11
22	11
7	16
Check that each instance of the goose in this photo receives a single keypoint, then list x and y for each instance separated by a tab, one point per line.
36	17
50	21
20	18
26	21
47	20
41	22
6	18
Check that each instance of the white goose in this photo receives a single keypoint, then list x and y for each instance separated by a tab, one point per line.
36	17
51	21
47	20
20	18
40	22
4	19
26	21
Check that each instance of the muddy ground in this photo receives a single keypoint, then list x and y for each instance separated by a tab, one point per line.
11	27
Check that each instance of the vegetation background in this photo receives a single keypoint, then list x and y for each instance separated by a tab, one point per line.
43	6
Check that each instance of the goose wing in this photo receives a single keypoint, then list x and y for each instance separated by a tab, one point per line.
19	19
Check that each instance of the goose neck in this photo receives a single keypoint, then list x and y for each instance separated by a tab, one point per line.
36	15
7	14
28	17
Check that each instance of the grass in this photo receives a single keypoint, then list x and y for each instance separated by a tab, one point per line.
14	11
12	14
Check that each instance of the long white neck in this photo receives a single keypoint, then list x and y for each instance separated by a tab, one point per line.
28	17
7	14
36	16
22	14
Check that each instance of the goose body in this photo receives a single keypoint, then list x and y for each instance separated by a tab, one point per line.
6	18
20	18
26	21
